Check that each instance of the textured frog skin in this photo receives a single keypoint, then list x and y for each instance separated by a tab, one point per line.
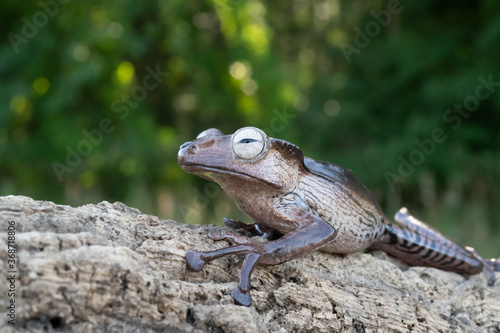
312	205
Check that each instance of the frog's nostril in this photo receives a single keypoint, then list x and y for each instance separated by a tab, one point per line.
192	149
189	147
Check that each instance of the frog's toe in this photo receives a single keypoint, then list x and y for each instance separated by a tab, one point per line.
241	298
491	281
194	260
233	238
233	223
496	265
216	235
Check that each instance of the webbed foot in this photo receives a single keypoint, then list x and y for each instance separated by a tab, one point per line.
310	237
217	235
235	224
195	261
494	266
490	265
241	297
254	228
221	234
495	263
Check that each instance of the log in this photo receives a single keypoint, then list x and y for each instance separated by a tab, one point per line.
108	267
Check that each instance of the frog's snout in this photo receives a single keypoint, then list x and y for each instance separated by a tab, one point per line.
188	148
191	148
191	153
184	145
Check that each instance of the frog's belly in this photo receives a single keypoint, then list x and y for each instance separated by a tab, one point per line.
348	243
357	220
354	237
349	239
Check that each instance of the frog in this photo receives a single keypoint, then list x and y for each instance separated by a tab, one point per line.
300	205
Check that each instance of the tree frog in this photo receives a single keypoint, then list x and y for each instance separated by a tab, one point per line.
300	205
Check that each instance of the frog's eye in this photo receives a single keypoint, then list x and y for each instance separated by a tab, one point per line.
248	142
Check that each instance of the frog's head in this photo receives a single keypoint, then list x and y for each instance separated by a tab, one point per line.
247	157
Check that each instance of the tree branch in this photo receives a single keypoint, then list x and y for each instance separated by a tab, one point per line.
109	267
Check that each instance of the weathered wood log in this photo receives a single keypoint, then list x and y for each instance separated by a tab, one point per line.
108	267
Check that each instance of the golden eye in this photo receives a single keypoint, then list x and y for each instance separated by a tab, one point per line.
248	142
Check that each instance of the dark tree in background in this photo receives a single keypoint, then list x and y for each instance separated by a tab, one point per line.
96	99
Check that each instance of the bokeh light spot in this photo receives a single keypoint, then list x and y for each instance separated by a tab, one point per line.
256	36
238	70
21	106
336	36
125	72
81	52
307	57
203	20
114	29
99	14
322	11
87	179
187	102
249	87
41	85
332	108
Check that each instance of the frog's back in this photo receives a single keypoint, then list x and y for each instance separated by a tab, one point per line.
345	203
338	174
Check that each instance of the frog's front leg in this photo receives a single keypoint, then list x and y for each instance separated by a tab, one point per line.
313	234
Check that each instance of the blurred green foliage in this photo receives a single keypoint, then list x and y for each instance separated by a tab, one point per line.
352	82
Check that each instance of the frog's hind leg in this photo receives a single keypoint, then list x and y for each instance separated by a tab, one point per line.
404	217
420	245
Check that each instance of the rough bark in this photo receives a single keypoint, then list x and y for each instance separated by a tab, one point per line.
108	267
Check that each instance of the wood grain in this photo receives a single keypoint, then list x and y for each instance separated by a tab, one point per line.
110	267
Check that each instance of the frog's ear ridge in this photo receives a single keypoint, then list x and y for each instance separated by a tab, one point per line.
288	149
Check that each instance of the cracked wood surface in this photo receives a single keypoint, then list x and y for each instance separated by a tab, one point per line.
108	267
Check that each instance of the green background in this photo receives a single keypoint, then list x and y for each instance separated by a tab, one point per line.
351	82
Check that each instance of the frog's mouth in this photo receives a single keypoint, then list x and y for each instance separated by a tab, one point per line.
216	173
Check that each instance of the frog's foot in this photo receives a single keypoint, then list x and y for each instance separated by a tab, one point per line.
195	260
254	228
241	294
235	224
306	239
234	238
241	297
495	263
490	266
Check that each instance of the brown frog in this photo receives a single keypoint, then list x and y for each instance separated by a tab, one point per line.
301	205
